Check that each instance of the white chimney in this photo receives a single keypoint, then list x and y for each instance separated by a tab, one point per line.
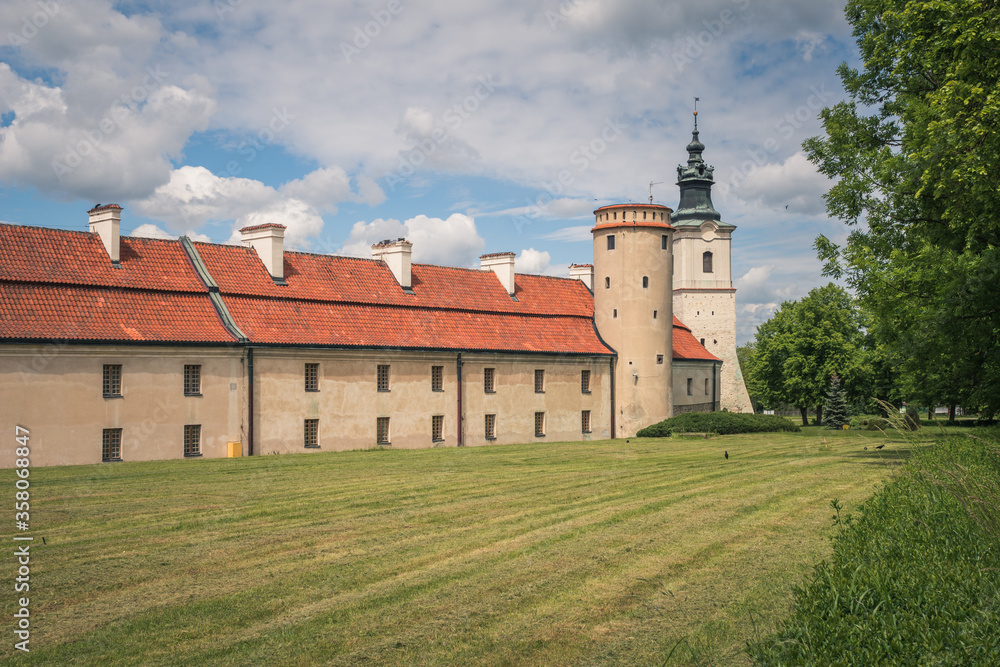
269	242
106	222
396	254
584	272
502	264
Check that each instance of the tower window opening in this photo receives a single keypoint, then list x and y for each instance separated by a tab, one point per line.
607	282
643	215
611	241
659	358
663	242
634	214
645	281
706	262
614	313
703	342
616	215
654	314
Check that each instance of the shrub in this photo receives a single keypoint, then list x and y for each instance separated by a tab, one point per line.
915	576
722	423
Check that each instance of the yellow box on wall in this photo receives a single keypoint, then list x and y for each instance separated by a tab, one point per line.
235	449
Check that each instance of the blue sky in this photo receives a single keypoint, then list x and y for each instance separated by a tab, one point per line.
468	127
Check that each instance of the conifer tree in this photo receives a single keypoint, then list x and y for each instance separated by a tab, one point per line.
835	413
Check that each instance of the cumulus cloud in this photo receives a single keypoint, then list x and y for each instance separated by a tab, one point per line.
152	231
794	185
195	196
532	261
451	242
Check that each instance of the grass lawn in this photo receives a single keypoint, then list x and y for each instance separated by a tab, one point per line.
546	553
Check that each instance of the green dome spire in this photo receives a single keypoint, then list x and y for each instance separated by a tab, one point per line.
695	181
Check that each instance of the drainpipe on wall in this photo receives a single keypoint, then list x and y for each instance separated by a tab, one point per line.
250	400
715	393
458	367
613	435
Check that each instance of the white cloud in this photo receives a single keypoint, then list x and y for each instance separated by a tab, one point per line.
153	232
532	261
195	196
450	242
794	186
571	234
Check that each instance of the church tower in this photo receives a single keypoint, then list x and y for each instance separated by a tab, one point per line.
633	289
703	295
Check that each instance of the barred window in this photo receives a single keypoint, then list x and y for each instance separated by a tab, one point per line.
437	378
112	380
491	427
382	430
312	377
437	428
585	421
585	382
192	440
383	377
539	424
192	379
489	380
311	433
111	445
539	381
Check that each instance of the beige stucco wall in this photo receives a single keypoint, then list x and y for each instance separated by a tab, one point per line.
55	391
706	302
700	376
642	385
690	244
515	401
348	402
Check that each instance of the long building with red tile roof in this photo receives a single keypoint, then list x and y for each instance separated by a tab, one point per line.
123	348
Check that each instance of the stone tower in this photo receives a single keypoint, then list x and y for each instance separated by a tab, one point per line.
703	296
633	289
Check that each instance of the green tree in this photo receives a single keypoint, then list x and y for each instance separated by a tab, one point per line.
916	154
802	345
835	414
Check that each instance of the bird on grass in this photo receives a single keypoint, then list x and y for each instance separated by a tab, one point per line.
880	446
727	454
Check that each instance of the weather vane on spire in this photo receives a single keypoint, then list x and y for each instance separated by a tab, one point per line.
696	113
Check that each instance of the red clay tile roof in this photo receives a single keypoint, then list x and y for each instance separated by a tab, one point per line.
65	312
239	271
41	255
686	346
286	321
631	223
57	284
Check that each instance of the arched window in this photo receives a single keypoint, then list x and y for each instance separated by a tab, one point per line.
706	262
645	281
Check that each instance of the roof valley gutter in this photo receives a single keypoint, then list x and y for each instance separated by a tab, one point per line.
213	290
